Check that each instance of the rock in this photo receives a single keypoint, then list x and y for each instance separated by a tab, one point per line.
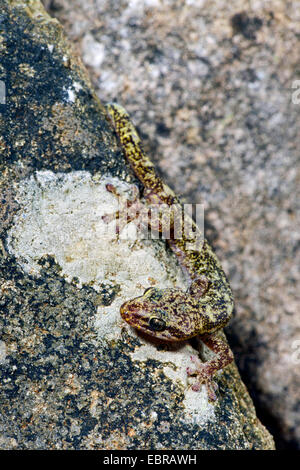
215	98
73	375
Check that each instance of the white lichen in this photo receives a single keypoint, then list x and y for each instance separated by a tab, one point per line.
175	362
61	215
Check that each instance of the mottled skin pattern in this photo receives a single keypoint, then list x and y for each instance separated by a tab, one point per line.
172	314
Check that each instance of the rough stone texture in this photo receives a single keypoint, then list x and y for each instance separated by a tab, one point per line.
72	374
209	84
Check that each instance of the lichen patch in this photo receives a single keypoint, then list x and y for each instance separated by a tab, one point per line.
61	214
175	362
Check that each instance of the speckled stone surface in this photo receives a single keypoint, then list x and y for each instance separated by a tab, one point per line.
72	375
210	85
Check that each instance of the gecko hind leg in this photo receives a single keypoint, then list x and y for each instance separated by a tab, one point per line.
206	371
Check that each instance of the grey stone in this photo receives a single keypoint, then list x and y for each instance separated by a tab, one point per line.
73	376
213	89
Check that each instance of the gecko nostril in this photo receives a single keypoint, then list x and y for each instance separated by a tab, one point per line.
126	308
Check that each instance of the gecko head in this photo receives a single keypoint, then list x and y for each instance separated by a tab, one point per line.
160	313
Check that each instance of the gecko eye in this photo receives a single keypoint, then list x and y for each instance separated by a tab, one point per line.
157	324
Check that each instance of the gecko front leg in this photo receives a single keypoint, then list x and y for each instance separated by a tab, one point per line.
129	209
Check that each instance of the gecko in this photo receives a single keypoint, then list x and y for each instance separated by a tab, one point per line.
172	314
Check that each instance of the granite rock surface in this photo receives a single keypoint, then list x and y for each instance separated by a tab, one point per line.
212	86
73	376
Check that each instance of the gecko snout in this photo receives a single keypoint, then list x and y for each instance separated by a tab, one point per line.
128	312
